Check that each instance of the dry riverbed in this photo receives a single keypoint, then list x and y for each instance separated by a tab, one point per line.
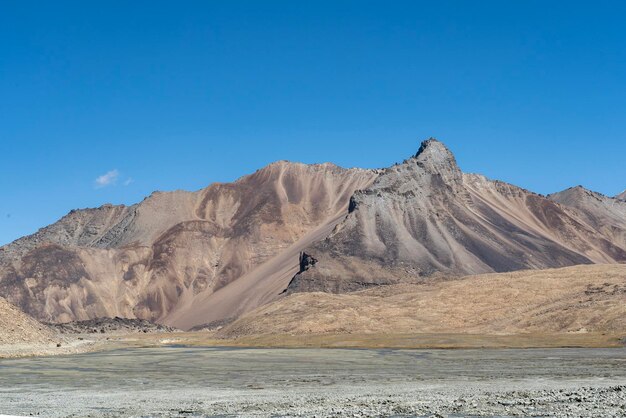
199	381
194	374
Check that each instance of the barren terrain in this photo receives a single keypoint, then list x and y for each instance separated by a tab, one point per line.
21	335
201	260
580	306
578	300
170	253
17	327
180	381
425	217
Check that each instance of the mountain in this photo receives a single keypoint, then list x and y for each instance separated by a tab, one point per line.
426	217
205	258
606	215
621	196
231	246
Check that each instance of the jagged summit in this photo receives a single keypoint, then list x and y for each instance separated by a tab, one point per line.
432	165
434	157
432	147
425	217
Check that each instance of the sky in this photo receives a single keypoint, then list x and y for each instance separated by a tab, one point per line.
107	101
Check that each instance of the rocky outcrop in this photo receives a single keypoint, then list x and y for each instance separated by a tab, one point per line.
97	228
110	326
426	217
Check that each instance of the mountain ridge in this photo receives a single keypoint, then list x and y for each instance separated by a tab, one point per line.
142	260
186	258
426	217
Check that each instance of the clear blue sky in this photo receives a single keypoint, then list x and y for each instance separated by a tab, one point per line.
176	95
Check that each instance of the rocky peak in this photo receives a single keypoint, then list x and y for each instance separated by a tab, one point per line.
434	157
621	196
432	148
433	170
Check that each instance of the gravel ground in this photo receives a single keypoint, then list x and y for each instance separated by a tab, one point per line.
358	402
180	381
110	325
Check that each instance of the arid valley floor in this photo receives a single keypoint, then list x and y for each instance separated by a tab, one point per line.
196	382
569	363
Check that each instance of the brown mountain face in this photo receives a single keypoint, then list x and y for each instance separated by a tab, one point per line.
153	260
188	259
621	196
607	215
425	217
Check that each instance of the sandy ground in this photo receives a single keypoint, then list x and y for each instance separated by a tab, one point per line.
193	382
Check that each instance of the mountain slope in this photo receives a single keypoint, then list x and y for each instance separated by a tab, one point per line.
18	328
189	259
604	214
621	196
153	258
425	217
577	299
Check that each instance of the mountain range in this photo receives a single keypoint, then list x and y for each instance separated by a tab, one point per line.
205	258
426	217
